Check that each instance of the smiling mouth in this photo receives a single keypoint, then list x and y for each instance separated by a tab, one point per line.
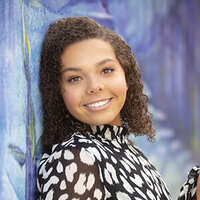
98	104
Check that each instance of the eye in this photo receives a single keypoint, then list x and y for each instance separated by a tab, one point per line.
107	70
74	79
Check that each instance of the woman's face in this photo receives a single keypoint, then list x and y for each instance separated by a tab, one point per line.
93	83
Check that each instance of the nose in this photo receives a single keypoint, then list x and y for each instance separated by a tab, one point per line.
94	86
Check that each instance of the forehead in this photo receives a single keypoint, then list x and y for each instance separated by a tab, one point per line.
87	52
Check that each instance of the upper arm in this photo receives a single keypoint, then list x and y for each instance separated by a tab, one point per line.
73	175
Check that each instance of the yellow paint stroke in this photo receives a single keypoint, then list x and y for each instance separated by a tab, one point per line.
26	50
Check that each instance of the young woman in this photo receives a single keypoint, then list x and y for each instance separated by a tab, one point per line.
92	95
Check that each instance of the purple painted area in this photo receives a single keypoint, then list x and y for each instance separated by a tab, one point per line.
165	37
2	126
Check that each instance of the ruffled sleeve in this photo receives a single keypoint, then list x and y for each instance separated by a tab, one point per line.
189	189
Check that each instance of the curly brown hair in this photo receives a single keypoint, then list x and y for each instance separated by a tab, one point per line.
58	123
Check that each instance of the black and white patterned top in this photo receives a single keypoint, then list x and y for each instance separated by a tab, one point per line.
103	165
189	189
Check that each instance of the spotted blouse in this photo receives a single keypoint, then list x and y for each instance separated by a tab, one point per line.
189	189
100	166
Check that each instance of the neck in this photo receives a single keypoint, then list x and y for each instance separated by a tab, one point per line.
116	121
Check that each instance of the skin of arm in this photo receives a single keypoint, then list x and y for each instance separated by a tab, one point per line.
198	188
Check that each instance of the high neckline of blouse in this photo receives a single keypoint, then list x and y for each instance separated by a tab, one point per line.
109	132
103	132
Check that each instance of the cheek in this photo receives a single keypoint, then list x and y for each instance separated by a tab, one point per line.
70	98
119	86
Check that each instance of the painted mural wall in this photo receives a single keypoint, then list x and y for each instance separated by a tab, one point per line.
165	37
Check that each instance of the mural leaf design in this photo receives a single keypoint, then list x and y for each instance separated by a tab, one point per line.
17	154
38	149
30	129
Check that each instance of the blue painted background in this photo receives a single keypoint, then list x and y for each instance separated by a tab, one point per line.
164	35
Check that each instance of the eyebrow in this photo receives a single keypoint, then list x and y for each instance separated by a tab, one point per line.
75	69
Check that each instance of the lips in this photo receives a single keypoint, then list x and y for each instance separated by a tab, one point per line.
99	104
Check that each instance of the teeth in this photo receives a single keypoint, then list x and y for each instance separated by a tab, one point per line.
97	104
